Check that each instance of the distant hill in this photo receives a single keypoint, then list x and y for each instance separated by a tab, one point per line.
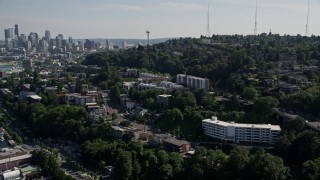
118	42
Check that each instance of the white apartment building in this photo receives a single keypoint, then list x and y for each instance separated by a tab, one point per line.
170	85
241	133
78	99
193	82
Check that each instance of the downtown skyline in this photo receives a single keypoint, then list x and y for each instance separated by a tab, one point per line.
177	18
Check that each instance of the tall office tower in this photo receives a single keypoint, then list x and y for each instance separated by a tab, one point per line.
61	36
44	45
88	44
33	37
16	31
28	45
124	45
52	42
9	34
64	42
69	46
23	39
6	34
47	36
109	45
70	40
58	42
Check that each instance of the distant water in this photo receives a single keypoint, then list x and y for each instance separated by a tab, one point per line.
9	67
5	68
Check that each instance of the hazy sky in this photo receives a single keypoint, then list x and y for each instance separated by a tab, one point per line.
164	18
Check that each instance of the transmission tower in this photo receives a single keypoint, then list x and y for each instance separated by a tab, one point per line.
307	25
148	40
208	35
255	21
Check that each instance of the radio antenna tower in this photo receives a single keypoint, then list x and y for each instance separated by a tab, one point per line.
255	22
307	25
208	35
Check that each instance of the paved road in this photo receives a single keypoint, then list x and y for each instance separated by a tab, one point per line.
314	123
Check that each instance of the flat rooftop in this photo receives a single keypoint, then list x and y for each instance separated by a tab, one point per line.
233	124
315	125
15	158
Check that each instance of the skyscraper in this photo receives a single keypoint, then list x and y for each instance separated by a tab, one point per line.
47	36
23	39
44	45
6	34
61	36
9	34
33	37
58	42
70	40
109	45
16	31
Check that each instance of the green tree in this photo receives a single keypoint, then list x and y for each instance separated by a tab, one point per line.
297	124
264	105
165	171
123	165
115	93
149	103
177	162
163	157
249	93
234	103
103	85
184	100
266	166
311	169
237	162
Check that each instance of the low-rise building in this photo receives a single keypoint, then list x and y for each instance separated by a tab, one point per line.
173	144
117	131
164	100
4	93
143	86
29	96
78	99
128	85
50	89
241	133
11	162
96	114
170	85
132	72
193	82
